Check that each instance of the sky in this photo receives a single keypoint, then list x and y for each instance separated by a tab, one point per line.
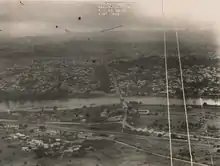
40	17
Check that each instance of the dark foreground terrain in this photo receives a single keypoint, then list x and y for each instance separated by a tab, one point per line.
96	136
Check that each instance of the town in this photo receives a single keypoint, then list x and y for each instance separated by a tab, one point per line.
144	76
79	87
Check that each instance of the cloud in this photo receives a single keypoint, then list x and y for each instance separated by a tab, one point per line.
41	17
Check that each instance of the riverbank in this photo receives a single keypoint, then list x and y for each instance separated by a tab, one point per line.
99	101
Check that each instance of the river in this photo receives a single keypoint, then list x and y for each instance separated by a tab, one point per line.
79	103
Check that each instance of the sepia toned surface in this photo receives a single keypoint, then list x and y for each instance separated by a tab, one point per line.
94	83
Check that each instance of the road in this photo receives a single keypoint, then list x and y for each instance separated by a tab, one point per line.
106	131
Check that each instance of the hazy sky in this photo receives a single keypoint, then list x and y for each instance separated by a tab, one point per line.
40	17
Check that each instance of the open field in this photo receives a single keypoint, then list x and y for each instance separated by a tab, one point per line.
107	153
118	147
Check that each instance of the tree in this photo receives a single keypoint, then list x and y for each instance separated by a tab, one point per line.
205	104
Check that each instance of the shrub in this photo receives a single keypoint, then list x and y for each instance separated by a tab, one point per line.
212	128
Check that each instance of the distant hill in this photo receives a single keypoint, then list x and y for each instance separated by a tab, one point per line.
112	43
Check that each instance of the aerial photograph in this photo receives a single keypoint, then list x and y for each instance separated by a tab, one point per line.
109	83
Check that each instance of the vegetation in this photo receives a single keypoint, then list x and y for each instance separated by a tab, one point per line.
212	128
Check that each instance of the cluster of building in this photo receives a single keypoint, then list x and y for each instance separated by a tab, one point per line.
70	79
50	144
197	80
49	76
